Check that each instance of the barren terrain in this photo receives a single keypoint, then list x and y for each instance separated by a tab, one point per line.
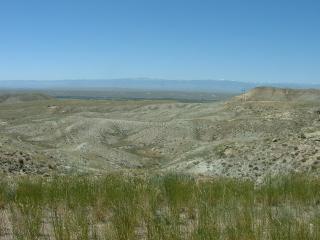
236	138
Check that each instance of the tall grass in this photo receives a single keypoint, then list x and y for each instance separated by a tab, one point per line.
172	206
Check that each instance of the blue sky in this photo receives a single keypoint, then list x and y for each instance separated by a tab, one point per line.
261	41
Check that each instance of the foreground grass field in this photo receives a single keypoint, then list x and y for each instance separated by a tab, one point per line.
173	206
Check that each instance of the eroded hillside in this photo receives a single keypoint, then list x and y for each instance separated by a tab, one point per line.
236	138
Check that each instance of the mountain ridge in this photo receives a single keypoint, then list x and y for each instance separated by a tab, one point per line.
146	84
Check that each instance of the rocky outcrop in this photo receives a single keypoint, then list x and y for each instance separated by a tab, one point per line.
18	162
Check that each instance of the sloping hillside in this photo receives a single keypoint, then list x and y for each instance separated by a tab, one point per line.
252	139
23	97
280	94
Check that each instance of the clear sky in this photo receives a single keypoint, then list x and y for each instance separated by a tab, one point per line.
267	40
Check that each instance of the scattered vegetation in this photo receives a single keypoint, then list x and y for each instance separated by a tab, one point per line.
173	206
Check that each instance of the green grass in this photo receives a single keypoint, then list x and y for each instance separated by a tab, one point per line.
118	206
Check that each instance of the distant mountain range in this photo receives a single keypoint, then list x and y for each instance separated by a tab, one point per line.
144	84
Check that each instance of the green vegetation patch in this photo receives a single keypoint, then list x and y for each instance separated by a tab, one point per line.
171	206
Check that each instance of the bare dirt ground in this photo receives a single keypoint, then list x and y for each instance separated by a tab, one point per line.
235	138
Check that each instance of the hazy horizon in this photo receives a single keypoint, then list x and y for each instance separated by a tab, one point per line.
161	79
145	85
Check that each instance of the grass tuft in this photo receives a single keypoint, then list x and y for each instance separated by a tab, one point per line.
171	206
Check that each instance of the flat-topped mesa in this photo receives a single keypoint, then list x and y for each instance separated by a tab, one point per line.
23	97
280	94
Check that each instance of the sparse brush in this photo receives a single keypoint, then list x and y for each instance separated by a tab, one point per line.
61	223
82	223
179	190
124	221
26	221
3	223
3	191
172	206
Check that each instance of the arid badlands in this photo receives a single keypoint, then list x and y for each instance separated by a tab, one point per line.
263	132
